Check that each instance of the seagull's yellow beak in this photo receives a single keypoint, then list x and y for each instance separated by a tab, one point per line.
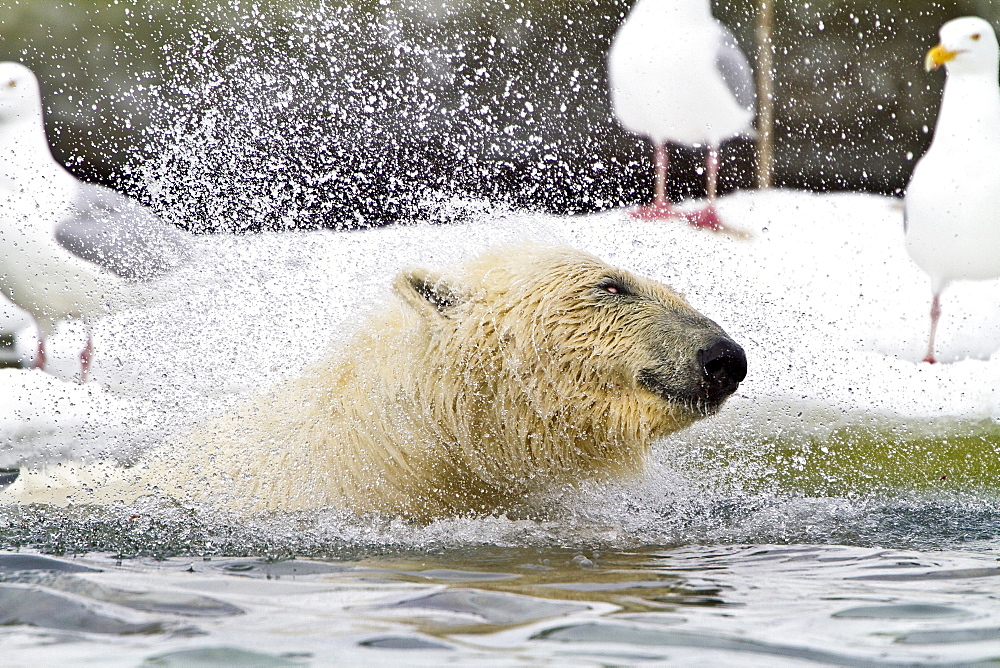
937	57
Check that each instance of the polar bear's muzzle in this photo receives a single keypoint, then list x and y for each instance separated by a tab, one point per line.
718	369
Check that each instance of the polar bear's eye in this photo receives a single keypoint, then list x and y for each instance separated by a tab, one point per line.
614	286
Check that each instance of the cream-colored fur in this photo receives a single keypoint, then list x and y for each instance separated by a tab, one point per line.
469	389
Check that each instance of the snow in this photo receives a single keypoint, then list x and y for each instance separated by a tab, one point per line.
824	298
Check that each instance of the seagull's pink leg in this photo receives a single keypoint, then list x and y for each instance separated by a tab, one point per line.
708	217
86	356
661	208
40	353
935	316
712	167
661	158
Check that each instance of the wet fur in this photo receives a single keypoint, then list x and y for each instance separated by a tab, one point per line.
530	366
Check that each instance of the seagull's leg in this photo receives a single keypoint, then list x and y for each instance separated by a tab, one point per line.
661	160
935	316
40	353
661	207
709	217
712	167
86	357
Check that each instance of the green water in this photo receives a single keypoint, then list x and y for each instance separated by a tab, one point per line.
943	456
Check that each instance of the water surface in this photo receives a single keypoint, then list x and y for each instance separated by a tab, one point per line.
692	605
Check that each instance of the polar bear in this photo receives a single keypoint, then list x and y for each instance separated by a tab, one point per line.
528	367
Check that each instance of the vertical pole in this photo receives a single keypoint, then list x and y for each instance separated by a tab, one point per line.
765	93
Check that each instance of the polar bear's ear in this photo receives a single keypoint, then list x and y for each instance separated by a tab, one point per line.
427	292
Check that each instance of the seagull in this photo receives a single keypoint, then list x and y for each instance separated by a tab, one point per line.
678	75
951	220
66	245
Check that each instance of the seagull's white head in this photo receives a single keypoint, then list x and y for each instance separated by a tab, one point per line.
20	97
968	46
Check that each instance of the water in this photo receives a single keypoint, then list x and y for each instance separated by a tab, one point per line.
752	605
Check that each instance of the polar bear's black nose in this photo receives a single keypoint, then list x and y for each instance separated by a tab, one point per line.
723	366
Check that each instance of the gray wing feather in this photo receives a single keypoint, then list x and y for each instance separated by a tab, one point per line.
121	235
735	69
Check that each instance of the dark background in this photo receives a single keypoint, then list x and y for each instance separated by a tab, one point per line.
297	115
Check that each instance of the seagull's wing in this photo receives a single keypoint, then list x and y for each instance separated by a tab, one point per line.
735	69
120	234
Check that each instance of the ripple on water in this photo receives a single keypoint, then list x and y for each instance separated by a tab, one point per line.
602	633
218	657
902	611
13	563
31	606
486	607
403	643
943	637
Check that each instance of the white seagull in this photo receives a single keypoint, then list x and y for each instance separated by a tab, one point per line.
65	245
952	221
677	75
